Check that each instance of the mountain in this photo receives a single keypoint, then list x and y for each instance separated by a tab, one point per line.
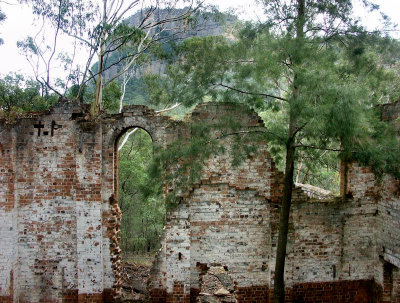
171	33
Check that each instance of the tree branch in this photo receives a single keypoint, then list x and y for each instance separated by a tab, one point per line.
318	147
250	132
126	138
250	93
167	109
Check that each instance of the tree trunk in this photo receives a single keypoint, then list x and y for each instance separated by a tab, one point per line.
96	105
279	285
279	279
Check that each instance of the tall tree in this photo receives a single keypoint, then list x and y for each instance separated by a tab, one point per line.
310	61
98	29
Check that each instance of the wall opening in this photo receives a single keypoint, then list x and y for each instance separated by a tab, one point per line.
320	169
142	211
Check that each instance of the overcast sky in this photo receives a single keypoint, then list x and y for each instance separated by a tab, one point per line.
19	24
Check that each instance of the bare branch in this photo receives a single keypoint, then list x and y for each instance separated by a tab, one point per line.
264	131
128	66
55	42
168	109
81	39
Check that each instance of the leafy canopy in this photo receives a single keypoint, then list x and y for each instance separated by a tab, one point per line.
338	77
18	96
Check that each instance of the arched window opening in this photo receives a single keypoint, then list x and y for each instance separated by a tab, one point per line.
143	211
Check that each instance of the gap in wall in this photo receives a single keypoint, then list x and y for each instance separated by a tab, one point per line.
143	211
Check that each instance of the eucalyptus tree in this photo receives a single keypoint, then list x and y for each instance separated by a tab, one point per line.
314	65
98	29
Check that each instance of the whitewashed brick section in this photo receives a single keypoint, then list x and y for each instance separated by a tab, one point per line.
177	246
8	252
89	247
230	228
46	250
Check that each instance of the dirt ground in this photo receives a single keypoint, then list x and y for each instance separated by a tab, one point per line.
135	272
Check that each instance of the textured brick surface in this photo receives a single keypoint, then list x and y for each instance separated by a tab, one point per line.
335	244
59	217
360	291
57	175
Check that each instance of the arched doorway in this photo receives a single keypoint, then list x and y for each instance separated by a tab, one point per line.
141	203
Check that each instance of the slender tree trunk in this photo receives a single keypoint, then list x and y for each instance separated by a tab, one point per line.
95	108
279	285
124	82
99	85
279	279
305	178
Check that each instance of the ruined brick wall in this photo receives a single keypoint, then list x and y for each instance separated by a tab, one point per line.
224	218
51	210
382	194
7	214
231	219
59	217
229	208
58	207
331	251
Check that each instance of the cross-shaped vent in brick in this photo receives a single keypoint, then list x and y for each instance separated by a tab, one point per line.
39	126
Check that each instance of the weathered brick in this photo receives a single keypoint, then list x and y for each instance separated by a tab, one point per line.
59	217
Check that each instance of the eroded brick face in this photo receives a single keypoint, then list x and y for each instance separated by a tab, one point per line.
59	218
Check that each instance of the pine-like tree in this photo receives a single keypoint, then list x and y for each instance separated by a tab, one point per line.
312	63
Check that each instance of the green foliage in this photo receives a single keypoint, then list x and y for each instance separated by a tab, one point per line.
180	165
328	84
111	95
140	198
378	148
71	16
19	96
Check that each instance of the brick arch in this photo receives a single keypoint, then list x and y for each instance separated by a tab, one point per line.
114	210
160	128
125	130
155	126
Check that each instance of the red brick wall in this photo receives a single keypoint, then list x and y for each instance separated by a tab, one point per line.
158	295
253	294
178	294
361	291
